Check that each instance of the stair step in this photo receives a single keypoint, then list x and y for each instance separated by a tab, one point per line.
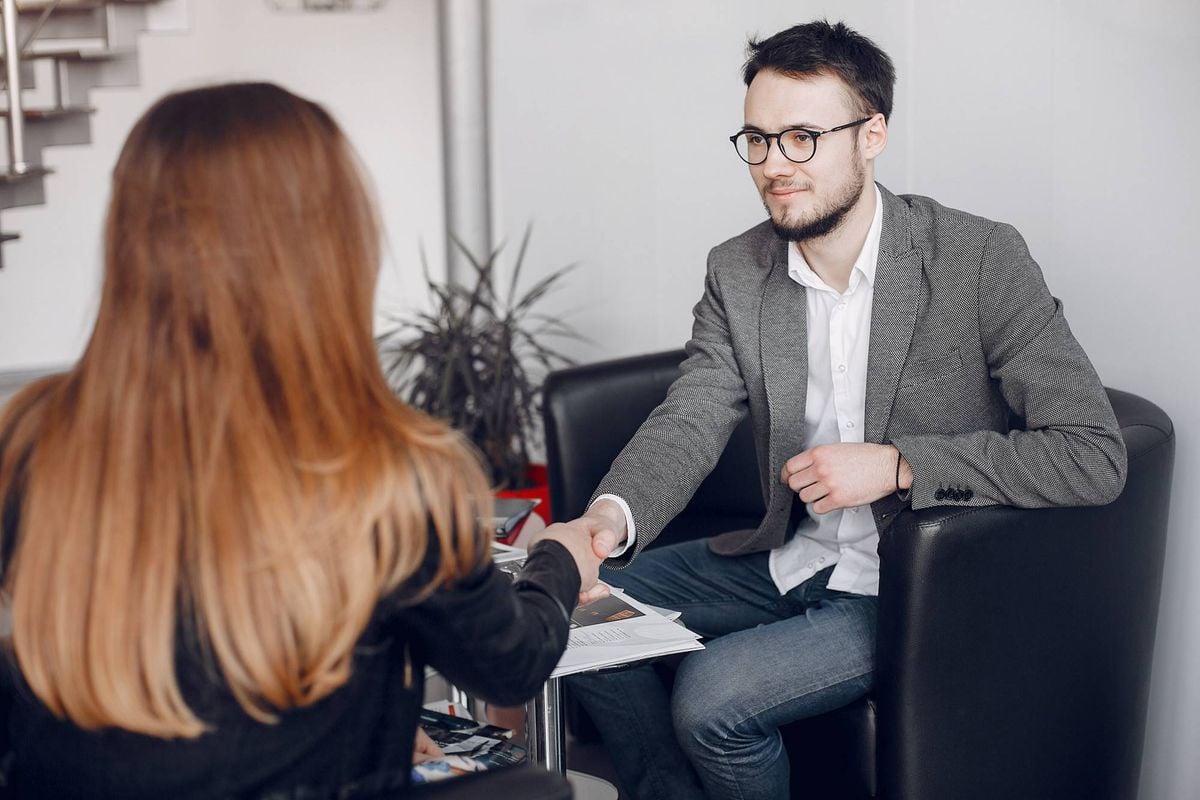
67	6
7	177
44	114
5	238
76	54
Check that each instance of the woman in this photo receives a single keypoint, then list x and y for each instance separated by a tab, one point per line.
228	551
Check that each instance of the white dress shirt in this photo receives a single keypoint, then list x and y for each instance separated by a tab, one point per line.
839	333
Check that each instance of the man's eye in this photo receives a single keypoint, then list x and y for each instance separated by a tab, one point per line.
756	139
802	138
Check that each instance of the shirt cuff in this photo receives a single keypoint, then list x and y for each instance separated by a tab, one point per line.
630	531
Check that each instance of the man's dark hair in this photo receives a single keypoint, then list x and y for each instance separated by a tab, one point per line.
819	47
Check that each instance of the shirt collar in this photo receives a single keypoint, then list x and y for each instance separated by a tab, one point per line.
864	265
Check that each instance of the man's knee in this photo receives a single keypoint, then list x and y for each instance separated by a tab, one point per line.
708	705
697	724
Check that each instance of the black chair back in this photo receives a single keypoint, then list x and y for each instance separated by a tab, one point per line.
591	411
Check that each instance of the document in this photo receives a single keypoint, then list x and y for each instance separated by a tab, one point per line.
503	553
621	630
616	630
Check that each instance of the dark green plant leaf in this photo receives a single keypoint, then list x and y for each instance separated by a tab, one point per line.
465	359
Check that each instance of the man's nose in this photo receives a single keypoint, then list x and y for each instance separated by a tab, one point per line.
777	164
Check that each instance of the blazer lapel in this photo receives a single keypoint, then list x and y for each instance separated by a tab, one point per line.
893	314
783	338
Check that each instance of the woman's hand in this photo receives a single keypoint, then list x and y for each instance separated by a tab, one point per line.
424	748
576	536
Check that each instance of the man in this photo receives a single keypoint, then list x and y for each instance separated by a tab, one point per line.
879	344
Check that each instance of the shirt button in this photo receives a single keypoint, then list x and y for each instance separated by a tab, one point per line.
821	560
850	424
841	367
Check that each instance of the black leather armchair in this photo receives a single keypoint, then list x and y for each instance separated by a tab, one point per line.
1014	646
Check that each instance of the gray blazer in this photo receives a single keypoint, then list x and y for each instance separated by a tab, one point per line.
965	336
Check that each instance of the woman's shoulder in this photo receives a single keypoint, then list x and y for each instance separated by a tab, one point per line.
431	579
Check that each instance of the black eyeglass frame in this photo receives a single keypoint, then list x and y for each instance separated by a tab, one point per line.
779	141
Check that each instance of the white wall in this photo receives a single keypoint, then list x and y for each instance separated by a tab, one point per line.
610	134
377	73
1073	120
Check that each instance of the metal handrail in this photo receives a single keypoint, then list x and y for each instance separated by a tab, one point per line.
34	30
16	112
37	26
17	164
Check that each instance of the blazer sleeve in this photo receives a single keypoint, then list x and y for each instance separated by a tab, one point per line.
678	445
495	638
1070	450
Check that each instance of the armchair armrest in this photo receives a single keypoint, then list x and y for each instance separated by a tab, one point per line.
1014	646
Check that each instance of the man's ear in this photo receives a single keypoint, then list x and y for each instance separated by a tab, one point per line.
874	136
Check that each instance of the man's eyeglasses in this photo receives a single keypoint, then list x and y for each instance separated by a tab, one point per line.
797	144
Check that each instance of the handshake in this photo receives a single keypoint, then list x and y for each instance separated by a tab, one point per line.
589	539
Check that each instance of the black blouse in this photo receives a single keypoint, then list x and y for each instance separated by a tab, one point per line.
496	639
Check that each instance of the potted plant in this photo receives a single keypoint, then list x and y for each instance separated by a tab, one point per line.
476	360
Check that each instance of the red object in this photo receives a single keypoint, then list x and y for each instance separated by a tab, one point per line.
540	490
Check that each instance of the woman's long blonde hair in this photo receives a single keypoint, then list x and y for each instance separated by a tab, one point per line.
226	455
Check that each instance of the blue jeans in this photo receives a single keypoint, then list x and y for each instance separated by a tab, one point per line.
770	660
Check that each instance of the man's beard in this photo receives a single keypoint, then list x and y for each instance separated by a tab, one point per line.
827	219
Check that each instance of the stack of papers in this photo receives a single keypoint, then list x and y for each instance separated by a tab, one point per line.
615	630
622	632
467	746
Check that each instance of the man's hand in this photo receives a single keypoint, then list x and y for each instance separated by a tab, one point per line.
607	522
845	474
578	537
604	527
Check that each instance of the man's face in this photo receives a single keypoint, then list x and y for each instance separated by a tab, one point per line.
808	200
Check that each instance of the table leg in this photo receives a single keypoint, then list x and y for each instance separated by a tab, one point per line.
545	733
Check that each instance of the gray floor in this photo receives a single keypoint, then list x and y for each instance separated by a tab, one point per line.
592	759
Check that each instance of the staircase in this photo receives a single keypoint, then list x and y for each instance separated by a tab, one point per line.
65	48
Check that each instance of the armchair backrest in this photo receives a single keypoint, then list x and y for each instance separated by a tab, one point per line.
592	411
